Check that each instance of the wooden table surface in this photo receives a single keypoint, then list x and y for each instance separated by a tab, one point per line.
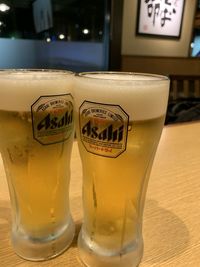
171	226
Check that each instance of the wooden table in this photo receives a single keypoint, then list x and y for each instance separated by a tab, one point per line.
172	211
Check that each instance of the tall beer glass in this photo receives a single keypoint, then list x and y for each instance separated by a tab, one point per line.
36	136
120	117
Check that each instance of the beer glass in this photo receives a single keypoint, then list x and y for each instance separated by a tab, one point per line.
36	136
119	117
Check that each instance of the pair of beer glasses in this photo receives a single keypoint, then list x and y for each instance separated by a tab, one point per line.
119	118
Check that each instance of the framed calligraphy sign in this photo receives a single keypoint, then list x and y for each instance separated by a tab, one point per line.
160	17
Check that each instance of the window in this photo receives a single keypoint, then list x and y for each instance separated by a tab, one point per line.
64	34
72	20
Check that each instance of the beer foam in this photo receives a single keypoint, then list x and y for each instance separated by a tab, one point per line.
19	89
142	96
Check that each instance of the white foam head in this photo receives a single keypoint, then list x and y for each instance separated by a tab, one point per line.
142	96
19	89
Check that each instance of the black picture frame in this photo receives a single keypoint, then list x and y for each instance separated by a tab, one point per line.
163	21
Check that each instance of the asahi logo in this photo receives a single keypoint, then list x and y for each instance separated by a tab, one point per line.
103	128
108	134
54	122
52	118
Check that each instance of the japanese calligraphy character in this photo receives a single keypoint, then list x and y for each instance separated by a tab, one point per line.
153	10
150	10
164	17
147	1
149	7
167	2
156	12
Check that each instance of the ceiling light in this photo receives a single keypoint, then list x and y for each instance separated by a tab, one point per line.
85	31
4	7
61	36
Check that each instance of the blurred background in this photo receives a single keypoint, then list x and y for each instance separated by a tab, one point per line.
97	35
64	34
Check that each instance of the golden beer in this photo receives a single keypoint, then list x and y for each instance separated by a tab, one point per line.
35	142
117	146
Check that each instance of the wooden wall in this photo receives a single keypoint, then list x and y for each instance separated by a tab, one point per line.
161	65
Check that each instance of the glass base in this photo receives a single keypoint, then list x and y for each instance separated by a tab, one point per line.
43	249
131	257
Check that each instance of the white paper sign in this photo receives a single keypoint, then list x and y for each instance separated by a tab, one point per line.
160	17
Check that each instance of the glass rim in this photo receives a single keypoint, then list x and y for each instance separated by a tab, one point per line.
29	71
88	75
